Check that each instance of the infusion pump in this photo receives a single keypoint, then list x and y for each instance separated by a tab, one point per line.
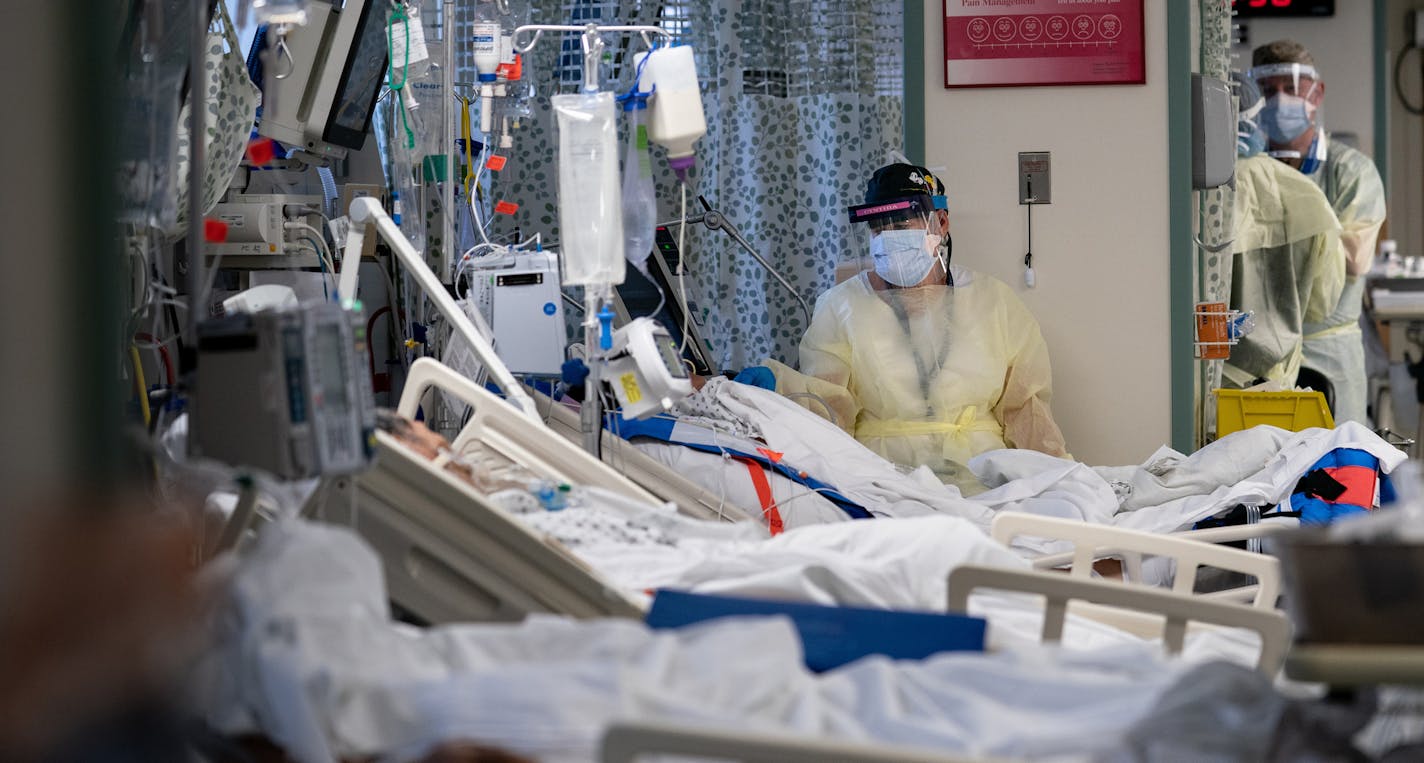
646	370
518	295
286	391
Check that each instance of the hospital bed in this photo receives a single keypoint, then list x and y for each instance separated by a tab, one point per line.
1169	611
451	554
672	486
630	742
1188	552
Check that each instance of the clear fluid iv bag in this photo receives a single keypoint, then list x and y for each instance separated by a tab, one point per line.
590	207
640	203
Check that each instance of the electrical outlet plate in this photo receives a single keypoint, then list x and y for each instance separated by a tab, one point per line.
1035	178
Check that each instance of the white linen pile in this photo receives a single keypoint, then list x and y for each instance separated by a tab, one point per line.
305	654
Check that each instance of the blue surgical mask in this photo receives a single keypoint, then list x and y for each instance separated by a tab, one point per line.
904	257
1285	118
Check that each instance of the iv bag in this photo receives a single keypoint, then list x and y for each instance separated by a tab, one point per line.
590	207
640	204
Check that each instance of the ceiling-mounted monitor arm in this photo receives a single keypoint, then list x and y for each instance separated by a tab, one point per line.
367	210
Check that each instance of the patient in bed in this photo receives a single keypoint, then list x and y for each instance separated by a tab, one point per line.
433	446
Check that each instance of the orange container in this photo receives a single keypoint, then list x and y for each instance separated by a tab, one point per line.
1213	341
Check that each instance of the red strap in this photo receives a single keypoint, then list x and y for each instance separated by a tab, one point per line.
763	491
1359	482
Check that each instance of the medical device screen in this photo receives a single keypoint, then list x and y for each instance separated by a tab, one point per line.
641	296
360	82
331	368
668	348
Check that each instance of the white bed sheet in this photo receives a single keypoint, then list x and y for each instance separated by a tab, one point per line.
797	504
901	564
306	655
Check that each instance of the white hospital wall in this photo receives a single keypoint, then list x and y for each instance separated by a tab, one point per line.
1406	136
1100	249
1342	47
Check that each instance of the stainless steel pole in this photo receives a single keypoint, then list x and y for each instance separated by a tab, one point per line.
197	128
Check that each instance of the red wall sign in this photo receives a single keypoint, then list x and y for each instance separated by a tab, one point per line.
994	43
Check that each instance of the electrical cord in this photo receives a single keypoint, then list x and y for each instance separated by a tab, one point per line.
830	414
163	354
327	264
475	196
301	226
1399	86
682	268
140	386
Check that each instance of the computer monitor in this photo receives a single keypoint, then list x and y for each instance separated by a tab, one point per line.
337	66
638	296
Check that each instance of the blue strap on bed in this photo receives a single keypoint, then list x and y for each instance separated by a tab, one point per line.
663	429
832	636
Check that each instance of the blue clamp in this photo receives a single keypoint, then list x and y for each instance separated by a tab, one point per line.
605	333
635	99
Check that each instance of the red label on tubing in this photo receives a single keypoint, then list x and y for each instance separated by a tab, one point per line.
506	208
772	455
496	163
511	71
260	151
214	231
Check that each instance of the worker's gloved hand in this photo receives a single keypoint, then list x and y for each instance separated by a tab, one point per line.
574	372
757	376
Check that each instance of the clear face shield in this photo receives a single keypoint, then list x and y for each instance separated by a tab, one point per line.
907	242
1292	95
1250	139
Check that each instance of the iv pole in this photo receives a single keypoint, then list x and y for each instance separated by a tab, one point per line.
595	295
448	244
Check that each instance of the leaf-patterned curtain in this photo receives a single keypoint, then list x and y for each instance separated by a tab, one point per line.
803	100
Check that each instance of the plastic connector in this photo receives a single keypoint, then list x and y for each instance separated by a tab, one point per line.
605	331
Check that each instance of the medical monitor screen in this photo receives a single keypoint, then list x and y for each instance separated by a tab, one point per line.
355	100
331	368
671	359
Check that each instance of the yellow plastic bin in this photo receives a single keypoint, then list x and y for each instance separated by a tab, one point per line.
1238	409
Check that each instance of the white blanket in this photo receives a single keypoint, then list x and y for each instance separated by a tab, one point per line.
306	654
901	564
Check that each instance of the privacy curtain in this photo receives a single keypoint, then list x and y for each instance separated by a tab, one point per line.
803	101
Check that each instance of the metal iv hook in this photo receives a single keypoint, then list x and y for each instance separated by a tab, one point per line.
592	48
285	52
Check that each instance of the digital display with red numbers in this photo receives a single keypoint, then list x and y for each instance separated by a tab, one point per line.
1268	8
